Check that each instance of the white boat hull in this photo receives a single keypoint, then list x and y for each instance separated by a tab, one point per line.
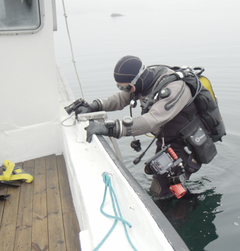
86	163
34	93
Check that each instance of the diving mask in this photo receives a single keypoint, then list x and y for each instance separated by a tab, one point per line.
128	88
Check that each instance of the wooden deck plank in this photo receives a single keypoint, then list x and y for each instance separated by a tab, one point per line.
24	219
40	223
40	216
3	191
70	221
55	221
9	218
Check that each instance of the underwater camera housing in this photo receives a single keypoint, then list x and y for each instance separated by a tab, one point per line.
164	162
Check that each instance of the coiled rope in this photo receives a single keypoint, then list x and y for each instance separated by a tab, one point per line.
70	42
117	212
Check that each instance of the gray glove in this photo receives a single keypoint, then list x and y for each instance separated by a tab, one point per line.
109	128
93	107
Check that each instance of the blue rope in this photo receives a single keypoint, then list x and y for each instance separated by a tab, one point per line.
117	212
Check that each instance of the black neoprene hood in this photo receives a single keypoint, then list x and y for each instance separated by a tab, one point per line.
126	69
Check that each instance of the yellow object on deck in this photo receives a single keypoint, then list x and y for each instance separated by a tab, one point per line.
14	173
207	84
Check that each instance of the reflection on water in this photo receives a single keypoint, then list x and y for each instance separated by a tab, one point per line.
174	33
193	217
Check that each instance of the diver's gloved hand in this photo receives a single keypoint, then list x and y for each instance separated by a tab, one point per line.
108	128
86	108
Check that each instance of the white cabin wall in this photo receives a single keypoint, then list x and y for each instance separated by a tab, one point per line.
29	103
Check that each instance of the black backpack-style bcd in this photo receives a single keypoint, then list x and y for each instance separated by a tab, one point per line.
203	96
207	127
206	103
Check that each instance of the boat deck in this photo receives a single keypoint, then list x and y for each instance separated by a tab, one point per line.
39	216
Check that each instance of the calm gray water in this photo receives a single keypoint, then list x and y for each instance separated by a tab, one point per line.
188	32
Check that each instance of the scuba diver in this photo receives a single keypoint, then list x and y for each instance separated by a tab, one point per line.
167	110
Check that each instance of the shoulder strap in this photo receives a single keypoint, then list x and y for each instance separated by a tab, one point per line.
188	75
158	71
152	98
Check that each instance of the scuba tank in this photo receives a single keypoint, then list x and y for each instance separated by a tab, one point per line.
207	84
209	112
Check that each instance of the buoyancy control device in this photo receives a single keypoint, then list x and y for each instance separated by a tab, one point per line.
207	104
203	96
207	127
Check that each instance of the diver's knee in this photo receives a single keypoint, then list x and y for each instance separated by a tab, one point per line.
155	187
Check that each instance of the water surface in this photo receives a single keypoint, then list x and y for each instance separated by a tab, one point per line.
188	32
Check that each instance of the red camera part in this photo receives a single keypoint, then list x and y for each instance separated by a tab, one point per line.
178	190
172	153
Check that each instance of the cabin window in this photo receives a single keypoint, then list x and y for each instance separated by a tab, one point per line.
18	16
